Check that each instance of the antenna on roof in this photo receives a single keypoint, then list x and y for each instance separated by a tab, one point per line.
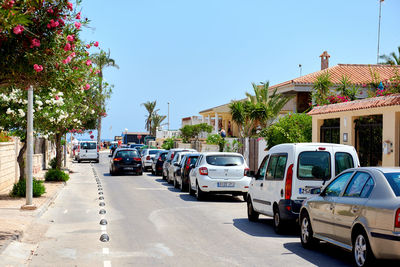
300	69
379	30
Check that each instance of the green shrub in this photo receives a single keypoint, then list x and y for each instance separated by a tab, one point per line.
56	175
292	128
19	189
168	143
53	163
216	139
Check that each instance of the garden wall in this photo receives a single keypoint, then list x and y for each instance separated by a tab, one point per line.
9	171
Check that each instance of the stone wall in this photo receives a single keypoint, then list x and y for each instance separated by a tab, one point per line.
9	171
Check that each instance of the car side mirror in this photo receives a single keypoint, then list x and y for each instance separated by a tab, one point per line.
315	191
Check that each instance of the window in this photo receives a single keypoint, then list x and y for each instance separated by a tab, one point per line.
126	154
263	167
314	165
357	184
153	152
192	160
198	161
225	160
367	188
88	145
343	161
394	181
336	187
163	156
276	167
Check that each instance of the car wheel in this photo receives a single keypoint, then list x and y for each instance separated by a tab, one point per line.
79	161
244	195
97	161
199	193
140	173
252	215
278	227
306	232
181	187
191	191
175	183
362	252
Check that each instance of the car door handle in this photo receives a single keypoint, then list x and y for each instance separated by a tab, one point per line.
281	192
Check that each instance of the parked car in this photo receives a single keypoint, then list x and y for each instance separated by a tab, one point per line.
219	172
88	151
147	157
158	162
289	172
169	158
358	211
136	145
187	164
175	166
125	160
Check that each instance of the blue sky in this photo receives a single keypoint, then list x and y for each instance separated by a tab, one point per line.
200	54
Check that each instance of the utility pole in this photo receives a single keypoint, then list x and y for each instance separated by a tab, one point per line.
300	69
168	116
379	30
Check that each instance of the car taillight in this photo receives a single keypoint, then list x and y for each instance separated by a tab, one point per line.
98	148
397	219
172	156
246	171
188	164
203	171
148	158
288	183
137	159
117	159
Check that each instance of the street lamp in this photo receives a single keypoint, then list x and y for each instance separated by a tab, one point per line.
168	115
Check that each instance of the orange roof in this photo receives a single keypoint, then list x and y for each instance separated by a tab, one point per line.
381	101
358	74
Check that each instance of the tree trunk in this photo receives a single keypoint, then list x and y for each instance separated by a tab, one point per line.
58	150
101	105
98	130
21	162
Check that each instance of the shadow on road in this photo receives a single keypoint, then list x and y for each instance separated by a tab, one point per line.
210	198
262	228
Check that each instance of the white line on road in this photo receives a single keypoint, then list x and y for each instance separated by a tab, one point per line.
106	250
103	228
107	263
147	188
65	211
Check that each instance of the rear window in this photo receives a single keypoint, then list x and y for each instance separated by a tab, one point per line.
153	152
343	161
314	165
88	145
225	160
394	181
192	160
127	154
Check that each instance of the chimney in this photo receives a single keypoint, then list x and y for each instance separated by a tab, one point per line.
324	60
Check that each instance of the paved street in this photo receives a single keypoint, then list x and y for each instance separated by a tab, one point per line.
152	224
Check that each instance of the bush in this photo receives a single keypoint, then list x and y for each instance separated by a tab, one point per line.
19	189
168	143
53	163
56	175
216	139
292	128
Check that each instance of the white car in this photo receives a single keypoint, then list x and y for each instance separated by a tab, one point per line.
147	157
287	175
87	150
219	173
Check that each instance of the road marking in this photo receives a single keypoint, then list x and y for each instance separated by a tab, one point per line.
107	263
65	211
148	188
103	228
106	250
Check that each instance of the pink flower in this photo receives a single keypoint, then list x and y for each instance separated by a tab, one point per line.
97	72
67	60
88	46
78	25
57	97
96	44
70	6
72	55
35	43
61	22
78	16
75	68
38	68
67	47
88	62
50	10
70	38
87	86
18	29
57	65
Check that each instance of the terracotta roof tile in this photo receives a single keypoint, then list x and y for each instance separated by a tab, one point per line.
358	74
381	101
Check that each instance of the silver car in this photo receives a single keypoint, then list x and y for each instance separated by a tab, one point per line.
358	211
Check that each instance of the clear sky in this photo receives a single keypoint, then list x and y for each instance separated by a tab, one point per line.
197	54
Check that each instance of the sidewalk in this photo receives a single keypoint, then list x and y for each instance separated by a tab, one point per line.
14	221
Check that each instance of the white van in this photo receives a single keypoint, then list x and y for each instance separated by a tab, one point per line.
289	172
88	150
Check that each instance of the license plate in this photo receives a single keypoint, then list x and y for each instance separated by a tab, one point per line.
128	168
226	184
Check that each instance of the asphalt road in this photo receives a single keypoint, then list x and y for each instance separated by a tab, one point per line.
149	223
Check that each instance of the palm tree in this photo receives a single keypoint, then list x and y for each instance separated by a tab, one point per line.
156	122
238	114
392	59
102	60
151	109
321	88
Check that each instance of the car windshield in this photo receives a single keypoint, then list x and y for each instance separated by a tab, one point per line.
224	160
314	165
153	152
126	154
88	145
394	181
